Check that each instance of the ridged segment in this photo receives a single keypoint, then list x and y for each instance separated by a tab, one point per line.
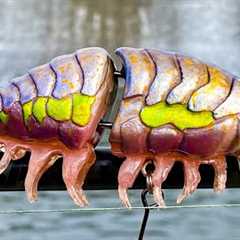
26	88
185	94
194	75
167	76
27	110
82	108
47	102
44	79
69	76
139	71
10	94
232	104
93	62
214	93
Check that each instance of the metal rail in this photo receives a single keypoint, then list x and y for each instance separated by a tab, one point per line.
103	175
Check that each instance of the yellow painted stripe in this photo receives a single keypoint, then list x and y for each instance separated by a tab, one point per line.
162	113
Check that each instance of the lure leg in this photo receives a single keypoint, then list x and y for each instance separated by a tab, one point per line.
220	168
163	165
39	162
18	153
5	161
11	152
128	172
76	164
191	177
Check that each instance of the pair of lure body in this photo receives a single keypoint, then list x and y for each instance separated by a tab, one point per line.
174	108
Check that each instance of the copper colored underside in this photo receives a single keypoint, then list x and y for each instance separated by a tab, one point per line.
164	162
76	163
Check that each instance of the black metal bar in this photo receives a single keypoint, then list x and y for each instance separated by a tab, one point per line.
118	74
105	124
103	175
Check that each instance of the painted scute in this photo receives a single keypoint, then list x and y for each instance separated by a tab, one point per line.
139	70
69	75
44	78
93	63
194	75
232	104
211	95
26	88
9	94
166	78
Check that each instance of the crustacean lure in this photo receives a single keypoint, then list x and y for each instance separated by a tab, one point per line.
53	111
174	108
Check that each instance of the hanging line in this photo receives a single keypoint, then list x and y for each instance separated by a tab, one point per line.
111	209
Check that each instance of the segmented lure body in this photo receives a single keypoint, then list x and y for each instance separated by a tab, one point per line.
59	99
54	111
174	108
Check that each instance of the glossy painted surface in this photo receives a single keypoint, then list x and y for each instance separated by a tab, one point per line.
167	76
176	125
194	75
64	84
196	87
213	94
161	114
32	33
60	122
139	71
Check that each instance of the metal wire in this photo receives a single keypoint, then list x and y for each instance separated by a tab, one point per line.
148	175
109	209
146	213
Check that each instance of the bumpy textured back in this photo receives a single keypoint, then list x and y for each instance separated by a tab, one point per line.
166	76
58	96
165	88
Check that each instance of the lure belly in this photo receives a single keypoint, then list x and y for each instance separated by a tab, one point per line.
174	108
